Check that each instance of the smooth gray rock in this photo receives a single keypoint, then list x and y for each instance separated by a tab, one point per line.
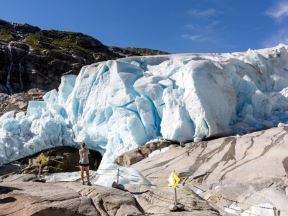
250	169
43	199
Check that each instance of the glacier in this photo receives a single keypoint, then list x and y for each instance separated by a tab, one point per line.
117	105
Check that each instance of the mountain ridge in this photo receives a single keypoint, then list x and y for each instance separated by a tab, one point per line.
35	59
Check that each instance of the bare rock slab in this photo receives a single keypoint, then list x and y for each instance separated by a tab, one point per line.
43	199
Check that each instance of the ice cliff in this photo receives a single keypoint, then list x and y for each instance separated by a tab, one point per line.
115	106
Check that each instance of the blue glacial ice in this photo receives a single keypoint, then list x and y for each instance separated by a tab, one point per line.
114	106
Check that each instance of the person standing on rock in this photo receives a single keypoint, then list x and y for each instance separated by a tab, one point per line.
84	162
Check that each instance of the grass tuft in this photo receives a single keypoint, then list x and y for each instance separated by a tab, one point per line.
6	35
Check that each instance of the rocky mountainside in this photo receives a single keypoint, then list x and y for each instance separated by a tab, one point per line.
32	60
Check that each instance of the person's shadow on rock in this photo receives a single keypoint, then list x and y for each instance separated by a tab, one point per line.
7	200
6	190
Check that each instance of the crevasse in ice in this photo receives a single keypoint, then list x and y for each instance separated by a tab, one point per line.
115	106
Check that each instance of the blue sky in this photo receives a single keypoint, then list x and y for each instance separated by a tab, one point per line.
175	26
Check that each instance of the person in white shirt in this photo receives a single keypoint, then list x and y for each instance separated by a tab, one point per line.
84	162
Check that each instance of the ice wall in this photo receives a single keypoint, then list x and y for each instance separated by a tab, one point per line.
115	106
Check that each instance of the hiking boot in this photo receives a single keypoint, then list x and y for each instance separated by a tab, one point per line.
83	183
89	183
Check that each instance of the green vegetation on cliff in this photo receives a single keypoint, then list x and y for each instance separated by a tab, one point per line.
6	35
37	41
53	39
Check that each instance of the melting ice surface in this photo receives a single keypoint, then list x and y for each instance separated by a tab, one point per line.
114	106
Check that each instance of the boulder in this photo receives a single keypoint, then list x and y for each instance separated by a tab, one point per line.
138	154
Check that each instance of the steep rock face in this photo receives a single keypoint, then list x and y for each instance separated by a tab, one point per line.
19	101
31	58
